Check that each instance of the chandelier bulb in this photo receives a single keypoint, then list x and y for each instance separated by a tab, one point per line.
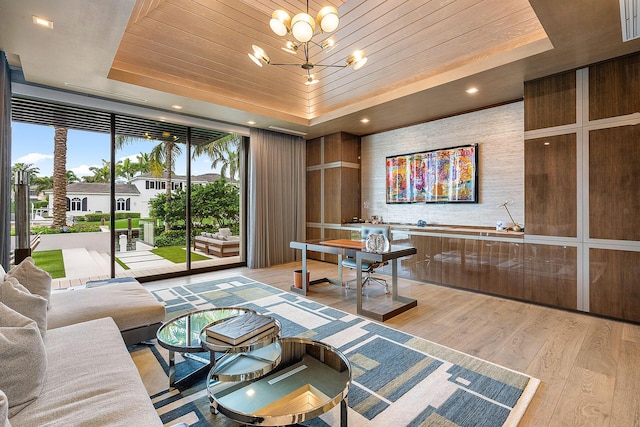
328	19
357	59
280	22
311	80
303	27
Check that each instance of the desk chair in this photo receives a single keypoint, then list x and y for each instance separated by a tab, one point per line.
369	267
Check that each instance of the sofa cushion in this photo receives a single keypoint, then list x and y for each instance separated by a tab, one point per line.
33	278
23	362
18	298
129	304
91	381
4	410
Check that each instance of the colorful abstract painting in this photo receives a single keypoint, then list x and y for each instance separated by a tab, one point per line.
446	175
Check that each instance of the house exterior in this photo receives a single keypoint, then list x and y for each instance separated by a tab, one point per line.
87	197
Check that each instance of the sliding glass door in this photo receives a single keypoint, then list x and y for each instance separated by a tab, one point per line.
150	191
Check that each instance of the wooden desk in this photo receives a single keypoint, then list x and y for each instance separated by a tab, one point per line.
379	309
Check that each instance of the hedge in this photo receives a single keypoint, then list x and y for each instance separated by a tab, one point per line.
96	217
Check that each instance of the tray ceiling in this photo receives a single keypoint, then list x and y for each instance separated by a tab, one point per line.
199	48
423	54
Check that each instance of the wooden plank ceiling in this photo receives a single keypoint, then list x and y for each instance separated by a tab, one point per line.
198	49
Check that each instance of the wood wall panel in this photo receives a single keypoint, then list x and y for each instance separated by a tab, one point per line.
614	285
341	147
332	148
614	170
618	81
332	209
314	196
350	193
350	148
550	101
314	233
314	152
550	186
550	275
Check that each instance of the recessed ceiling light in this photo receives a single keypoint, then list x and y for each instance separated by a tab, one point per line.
365	120
251	122
176	107
472	90
42	22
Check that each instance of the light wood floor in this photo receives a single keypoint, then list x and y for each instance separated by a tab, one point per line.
589	367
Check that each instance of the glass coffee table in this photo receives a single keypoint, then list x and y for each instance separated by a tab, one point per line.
286	382
184	334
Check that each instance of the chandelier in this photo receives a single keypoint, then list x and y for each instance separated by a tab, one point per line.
302	27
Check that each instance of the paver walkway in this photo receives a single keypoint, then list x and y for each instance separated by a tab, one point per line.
79	262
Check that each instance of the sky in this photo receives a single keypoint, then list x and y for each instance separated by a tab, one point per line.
34	144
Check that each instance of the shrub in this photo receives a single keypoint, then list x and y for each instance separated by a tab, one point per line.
170	238
123	215
84	228
96	217
40	204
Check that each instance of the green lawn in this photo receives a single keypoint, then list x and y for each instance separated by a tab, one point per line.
120	223
50	261
122	264
177	254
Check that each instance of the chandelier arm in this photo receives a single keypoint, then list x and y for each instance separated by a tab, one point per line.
333	66
296	65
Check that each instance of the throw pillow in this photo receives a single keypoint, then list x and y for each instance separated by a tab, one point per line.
2	272
33	278
224	232
24	362
4	410
221	237
18	298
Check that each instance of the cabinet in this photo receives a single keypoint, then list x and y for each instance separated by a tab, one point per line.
461	262
614	283
502	270
550	275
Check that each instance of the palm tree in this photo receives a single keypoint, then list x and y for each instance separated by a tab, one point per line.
100	173
28	168
59	178
41	183
72	177
223	151
126	169
160	160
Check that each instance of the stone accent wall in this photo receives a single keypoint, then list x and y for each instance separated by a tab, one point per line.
499	133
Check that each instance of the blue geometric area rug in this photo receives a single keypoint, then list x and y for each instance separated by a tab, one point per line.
398	379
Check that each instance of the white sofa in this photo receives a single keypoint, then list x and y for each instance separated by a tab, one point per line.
78	371
135	310
90	380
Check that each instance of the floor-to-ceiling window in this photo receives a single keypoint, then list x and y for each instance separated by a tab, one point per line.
166	191
66	155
